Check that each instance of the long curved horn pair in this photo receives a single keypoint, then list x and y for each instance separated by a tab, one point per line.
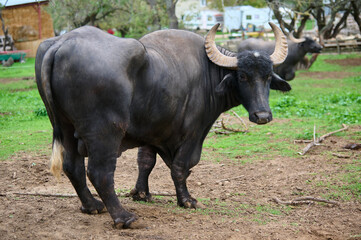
277	57
296	40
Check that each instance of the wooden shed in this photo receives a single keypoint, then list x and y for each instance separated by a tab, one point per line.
28	22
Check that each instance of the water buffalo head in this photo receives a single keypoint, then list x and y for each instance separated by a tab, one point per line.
308	44
254	75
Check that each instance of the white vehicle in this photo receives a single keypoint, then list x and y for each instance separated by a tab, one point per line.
202	20
249	18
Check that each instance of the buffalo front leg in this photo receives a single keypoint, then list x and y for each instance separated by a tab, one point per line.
186	158
179	175
146	161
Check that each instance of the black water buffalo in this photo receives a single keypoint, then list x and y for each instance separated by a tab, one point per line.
105	95
297	49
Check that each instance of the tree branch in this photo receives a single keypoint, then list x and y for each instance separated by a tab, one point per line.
302	25
341	24
356	13
304	200
317	142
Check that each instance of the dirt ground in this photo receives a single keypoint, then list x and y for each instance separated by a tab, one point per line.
231	209
349	62
345	62
326	75
237	199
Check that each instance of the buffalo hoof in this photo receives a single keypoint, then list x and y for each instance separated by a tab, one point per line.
96	208
188	203
130	223
140	196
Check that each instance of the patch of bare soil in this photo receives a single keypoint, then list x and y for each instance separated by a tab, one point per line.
236	197
345	62
348	62
326	75
9	80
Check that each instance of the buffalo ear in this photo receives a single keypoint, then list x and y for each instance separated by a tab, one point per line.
225	84
277	83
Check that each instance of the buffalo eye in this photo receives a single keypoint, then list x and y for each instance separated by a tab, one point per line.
242	77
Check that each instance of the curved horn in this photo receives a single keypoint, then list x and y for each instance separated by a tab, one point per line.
214	54
281	48
295	40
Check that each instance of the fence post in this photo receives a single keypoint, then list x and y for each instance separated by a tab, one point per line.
338	47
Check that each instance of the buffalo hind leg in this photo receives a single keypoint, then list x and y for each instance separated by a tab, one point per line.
103	153
146	161
73	166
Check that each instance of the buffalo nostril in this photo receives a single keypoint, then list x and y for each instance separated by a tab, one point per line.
262	120
262	117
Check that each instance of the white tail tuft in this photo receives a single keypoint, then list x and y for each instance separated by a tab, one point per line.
56	160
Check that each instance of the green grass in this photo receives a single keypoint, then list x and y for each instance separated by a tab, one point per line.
23	126
19	70
326	103
343	186
321	65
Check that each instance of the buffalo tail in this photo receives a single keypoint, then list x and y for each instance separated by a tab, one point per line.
44	67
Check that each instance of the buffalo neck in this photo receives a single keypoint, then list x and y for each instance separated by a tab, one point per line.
295	52
219	103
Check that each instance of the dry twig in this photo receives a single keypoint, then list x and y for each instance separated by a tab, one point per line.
341	156
304	200
240	119
318	141
229	179
227	130
230	129
220	127
301	141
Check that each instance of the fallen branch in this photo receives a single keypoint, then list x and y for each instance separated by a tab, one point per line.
75	195
301	141
318	141
224	129
220	132
220	127
47	194
240	119
230	129
229	179
304	200
341	156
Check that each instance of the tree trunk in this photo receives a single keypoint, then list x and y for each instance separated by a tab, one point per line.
173	21
356	13
341	24
123	31
283	25
302	26
156	20
325	32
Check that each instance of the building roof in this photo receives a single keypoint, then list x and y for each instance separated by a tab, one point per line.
18	2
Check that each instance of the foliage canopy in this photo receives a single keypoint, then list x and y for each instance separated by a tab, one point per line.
130	17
